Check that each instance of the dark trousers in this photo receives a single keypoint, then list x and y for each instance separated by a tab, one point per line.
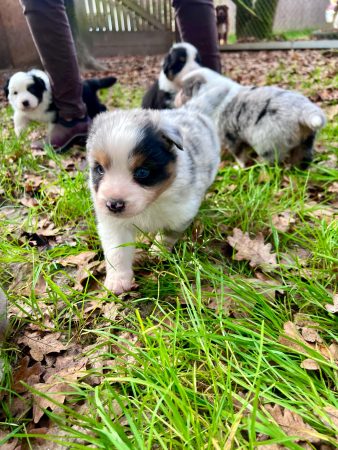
48	22
49	25
196	21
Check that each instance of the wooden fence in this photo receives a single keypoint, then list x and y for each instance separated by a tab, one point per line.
112	27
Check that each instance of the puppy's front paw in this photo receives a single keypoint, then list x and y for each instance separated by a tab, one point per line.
120	282
18	131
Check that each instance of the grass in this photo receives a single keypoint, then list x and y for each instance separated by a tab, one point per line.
165	369
290	35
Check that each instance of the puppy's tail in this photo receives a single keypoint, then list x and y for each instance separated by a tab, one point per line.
100	83
312	117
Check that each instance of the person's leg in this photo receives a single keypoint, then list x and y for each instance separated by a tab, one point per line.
52	35
197	24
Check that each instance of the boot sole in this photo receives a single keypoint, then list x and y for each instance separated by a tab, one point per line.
79	139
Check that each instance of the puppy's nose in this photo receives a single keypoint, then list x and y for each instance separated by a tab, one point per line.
25	103
116	206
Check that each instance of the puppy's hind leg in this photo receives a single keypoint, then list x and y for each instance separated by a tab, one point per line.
241	153
167	239
303	154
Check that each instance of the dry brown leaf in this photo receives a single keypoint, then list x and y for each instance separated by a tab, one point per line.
309	364
311	335
333	187
32	182
41	346
332	412
293	424
29	375
333	308
66	368
291	331
253	250
110	310
84	272
48	230
29	202
54	191
12	445
81	259
56	392
19	406
283	221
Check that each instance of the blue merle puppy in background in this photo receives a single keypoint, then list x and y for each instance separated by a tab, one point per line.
277	124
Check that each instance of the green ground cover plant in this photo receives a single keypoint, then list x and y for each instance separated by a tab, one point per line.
229	342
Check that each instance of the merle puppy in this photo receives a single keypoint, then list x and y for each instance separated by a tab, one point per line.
149	171
277	124
181	59
30	95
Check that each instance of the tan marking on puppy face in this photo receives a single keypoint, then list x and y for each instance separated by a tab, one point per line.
101	157
139	161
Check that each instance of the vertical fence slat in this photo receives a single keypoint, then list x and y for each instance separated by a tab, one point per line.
120	15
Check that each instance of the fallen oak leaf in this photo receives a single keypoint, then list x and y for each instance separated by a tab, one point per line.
309	364
29	202
66	368
333	187
283	221
41	346
311	335
32	182
52	394
332	413
293	424
91	269
252	250
333	308
28	375
81	259
293	339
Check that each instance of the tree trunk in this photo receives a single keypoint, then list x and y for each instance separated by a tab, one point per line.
258	25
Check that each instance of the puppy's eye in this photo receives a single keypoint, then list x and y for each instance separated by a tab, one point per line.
141	173
14	93
99	169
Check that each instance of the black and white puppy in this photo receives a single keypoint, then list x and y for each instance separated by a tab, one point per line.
180	60
149	171
30	95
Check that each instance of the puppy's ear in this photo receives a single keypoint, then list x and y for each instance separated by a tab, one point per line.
192	85
6	91
171	135
39	83
167	63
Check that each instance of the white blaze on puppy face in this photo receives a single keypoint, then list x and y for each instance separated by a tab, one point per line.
25	91
130	166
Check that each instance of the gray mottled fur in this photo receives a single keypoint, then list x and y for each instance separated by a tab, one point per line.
280	125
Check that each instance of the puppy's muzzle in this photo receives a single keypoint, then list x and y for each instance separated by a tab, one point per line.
25	104
116	206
